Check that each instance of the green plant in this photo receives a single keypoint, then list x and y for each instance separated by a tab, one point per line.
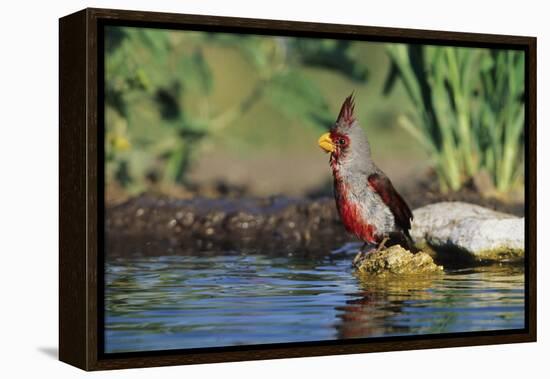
468	110
160	85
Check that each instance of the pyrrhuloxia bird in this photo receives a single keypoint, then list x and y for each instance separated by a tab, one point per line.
367	202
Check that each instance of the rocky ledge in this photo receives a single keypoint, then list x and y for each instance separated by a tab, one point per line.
450	232
395	260
147	225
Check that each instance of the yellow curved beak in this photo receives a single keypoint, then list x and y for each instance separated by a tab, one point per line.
326	143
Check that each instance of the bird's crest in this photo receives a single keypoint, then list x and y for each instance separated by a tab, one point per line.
346	115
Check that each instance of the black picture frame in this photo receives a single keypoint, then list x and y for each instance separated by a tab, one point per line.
81	204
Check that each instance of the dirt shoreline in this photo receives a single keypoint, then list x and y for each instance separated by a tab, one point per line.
149	225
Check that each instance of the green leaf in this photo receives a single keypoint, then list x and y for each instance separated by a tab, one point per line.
195	73
391	79
298	97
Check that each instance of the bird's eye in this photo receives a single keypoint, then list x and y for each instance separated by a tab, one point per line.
341	141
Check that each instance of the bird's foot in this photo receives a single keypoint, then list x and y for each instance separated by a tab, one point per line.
363	252
382	244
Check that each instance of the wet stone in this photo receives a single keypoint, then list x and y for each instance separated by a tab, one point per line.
395	260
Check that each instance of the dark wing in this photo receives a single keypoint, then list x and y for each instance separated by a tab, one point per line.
401	211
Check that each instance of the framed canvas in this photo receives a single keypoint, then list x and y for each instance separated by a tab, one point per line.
242	189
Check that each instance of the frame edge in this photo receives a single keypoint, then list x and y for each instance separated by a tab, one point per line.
72	190
78	198
531	160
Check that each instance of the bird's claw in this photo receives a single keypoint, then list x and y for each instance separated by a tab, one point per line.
382	245
362	254
358	258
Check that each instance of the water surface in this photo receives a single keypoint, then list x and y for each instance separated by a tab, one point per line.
226	299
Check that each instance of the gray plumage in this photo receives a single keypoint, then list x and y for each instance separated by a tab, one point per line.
369	205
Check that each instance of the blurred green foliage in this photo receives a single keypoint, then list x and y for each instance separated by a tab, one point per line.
159	87
171	95
469	110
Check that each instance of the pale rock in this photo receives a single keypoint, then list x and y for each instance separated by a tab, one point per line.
457	230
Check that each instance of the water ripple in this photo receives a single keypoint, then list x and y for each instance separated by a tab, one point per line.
187	302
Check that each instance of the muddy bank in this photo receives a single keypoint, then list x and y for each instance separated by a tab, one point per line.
159	226
452	231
